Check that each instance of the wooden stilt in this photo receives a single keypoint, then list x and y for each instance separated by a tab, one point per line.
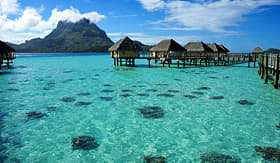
266	69
276	77
149	63
255	59
178	63
184	62
120	62
249	61
169	62
259	65
262	67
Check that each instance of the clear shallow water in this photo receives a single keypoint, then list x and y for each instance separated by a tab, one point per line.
188	128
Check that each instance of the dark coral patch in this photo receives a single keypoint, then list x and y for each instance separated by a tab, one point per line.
84	143
212	77
106	98
198	93
46	89
173	91
125	95
165	95
214	157
83	94
82	103
216	97
51	108
151	90
152	112
39	79
278	126
245	102
11	83
107	91
107	85
127	90
203	88
96	75
162	84
82	78
68	99
153	159
268	153
13	89
190	96
176	79
142	94
35	115
67	80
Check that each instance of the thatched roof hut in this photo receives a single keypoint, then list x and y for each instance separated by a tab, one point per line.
215	48
257	50
125	44
6	52
168	45
224	48
125	47
6	48
198	48
168	48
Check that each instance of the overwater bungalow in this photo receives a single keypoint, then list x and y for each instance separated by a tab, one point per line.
125	48
257	51
168	49
218	51
224	48
6	53
198	49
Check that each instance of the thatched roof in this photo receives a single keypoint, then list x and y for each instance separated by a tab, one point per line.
257	50
125	44
167	45
4	48
224	48
197	46
215	48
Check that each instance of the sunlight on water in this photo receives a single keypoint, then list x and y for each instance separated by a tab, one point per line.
183	112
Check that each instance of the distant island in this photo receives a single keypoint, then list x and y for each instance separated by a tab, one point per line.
81	36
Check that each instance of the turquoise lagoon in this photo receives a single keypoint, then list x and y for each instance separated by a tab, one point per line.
189	127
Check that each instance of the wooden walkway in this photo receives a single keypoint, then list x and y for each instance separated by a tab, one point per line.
7	59
229	59
269	64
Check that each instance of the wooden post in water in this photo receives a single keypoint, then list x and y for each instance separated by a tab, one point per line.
120	62
255	58
259	67
169	62
276	69
248	60
184	63
266	69
262	67
149	60
178	63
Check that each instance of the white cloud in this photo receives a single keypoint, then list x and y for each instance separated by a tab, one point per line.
209	15
9	7
30	23
125	34
151	5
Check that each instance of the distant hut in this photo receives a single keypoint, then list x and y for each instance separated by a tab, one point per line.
125	48
257	51
217	50
167	49
6	53
198	49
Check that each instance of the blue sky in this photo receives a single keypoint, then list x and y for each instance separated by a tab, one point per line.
241	25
